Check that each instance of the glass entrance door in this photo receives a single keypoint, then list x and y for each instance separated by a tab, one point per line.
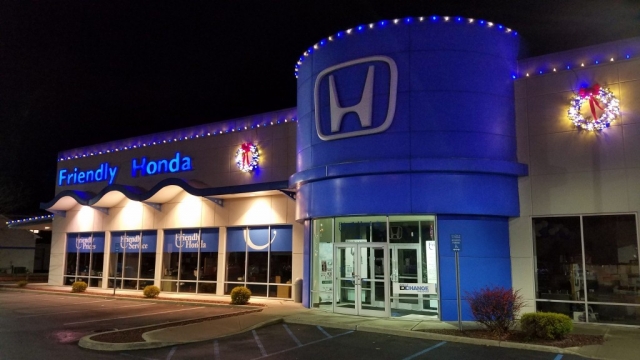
406	268
362	286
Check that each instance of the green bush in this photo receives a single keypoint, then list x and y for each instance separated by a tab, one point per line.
22	283
240	295
78	286
151	291
546	325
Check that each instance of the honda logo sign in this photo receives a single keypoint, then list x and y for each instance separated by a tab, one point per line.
364	109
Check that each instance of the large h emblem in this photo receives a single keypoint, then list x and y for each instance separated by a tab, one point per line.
364	108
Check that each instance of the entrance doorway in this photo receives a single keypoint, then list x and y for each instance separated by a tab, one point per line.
407	268
362	279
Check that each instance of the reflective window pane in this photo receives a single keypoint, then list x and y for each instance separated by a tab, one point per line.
611	257
558	257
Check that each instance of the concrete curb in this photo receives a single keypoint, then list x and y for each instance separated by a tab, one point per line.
88	343
440	337
158	300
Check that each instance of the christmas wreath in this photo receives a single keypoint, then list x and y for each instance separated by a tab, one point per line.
597	97
247	157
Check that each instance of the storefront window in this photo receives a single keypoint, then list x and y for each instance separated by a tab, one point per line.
260	258
190	260
587	267
84	260
133	255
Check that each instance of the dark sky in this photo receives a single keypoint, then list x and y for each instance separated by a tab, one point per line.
85	72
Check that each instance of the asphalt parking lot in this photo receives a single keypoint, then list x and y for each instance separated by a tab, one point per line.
46	326
292	341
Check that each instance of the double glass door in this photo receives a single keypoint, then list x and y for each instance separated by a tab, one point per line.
362	279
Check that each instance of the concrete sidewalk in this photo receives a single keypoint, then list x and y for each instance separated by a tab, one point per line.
621	343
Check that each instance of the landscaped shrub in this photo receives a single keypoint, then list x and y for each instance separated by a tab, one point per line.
78	286
544	325
22	283
240	295
496	308
151	291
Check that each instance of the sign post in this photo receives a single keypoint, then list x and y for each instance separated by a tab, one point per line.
456	247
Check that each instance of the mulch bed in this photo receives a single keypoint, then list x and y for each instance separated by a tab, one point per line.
570	340
135	335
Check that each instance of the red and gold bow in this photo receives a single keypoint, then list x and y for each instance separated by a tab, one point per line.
593	102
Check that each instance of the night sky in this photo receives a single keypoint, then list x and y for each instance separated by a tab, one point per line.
85	72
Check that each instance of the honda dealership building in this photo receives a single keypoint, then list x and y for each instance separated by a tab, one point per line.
418	146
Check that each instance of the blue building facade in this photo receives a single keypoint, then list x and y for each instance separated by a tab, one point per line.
413	117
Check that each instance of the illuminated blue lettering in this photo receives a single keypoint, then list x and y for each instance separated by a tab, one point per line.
138	168
152	168
145	167
104	172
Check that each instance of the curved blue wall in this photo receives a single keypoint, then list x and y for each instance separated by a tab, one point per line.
451	145
447	147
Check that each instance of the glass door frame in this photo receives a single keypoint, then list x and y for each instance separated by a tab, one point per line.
358	291
393	256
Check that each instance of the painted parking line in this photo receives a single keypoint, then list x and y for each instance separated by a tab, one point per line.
137	357
323	331
173	351
67	304
558	357
291	334
307	344
216	350
425	350
128	317
83	310
50	304
262	350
